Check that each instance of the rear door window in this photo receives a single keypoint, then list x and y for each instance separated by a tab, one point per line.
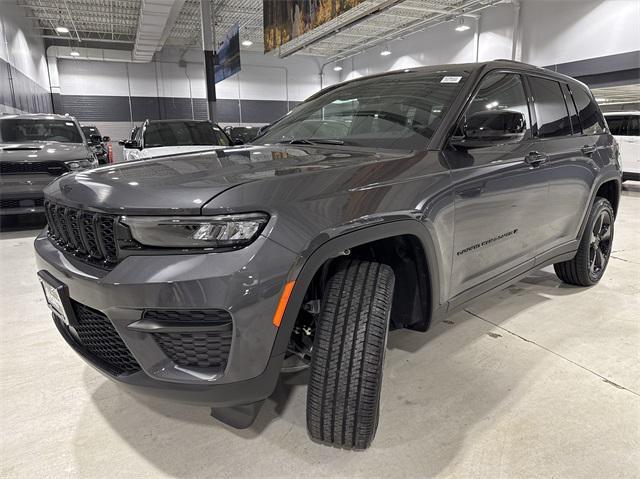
633	126
618	125
551	110
589	112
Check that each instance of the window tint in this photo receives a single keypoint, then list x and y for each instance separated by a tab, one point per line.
400	110
573	114
633	126
618	125
183	133
590	116
624	125
499	95
551	110
27	130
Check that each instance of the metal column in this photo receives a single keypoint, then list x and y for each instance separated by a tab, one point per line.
208	47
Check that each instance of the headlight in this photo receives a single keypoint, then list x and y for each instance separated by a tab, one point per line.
78	165
196	231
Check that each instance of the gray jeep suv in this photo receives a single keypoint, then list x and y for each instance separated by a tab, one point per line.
34	150
384	202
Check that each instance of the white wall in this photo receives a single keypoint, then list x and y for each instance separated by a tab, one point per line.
568	30
23	50
551	32
261	78
19	44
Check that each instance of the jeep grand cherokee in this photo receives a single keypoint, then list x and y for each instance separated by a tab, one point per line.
384	202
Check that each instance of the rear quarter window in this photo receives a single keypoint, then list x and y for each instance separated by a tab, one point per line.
588	111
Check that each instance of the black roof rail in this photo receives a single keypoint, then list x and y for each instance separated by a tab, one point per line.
509	60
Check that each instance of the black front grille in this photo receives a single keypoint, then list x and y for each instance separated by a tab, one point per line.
22	203
89	236
204	349
101	342
54	168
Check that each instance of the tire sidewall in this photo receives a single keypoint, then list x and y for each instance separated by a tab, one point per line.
600	205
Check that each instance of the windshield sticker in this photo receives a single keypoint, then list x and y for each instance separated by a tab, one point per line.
449	79
68	123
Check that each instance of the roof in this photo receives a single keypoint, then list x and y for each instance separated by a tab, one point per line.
622	112
38	116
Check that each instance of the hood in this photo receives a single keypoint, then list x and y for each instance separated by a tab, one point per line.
43	151
182	184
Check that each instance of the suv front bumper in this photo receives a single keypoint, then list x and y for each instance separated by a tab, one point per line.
246	283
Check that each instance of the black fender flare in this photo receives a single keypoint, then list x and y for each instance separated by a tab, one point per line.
612	176
334	247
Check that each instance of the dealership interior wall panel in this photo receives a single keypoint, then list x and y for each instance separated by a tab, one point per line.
24	82
568	31
172	86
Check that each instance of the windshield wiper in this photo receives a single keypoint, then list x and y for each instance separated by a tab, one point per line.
313	141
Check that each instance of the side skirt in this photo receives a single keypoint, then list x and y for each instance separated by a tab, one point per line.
556	255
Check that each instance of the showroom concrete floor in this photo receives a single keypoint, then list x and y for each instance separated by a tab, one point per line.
542	380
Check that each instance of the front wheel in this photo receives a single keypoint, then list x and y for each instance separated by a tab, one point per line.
590	262
343	398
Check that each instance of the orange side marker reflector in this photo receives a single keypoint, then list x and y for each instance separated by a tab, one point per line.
282	304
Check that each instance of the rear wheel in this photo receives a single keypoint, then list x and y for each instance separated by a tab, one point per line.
590	262
343	398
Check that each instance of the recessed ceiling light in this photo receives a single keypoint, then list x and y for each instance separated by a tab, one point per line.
247	43
74	53
62	30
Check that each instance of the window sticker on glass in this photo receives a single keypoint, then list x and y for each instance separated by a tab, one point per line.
68	123
451	79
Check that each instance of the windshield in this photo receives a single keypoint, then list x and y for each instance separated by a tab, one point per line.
400	111
27	130
183	133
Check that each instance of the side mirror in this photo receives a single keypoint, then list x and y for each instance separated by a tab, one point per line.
487	128
106	139
132	144
121	142
95	139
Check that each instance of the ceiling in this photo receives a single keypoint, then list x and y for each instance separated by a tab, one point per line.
368	24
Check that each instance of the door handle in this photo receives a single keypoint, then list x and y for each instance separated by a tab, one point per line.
588	150
535	158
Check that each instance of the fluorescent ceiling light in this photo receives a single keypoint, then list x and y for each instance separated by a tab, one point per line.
62	30
601	100
247	43
74	53
385	52
337	68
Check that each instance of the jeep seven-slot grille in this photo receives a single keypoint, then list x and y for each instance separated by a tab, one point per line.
101	342
89	236
204	349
